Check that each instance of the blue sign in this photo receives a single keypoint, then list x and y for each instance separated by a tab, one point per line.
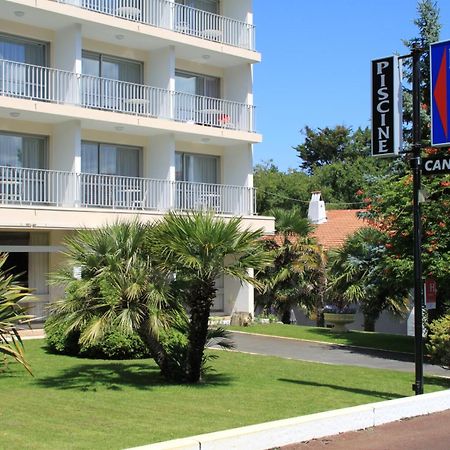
440	94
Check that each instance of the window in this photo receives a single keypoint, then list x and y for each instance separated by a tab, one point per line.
109	159
109	175
202	173
20	150
211	6
196	168
17	79
202	104
23	50
97	90
111	67
197	84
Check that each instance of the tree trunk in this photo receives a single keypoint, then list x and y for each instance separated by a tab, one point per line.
286	317
369	323
200	306
156	349
320	321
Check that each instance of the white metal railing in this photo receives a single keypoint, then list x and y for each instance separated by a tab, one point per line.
41	187
176	17
59	86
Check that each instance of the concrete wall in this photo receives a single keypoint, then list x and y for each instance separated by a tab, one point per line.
304	428
387	323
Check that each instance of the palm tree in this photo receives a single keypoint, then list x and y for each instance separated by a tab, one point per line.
118	287
199	248
11	313
356	276
294	278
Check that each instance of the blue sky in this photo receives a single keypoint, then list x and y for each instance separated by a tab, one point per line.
315	67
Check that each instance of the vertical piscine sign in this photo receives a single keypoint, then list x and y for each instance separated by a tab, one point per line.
440	93
386	107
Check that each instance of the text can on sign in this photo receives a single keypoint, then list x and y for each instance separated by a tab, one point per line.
436	165
386	107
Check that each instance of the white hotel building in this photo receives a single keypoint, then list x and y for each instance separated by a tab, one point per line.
112	109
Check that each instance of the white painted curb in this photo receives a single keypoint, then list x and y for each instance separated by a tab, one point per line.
298	429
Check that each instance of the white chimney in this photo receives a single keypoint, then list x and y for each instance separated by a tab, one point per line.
316	209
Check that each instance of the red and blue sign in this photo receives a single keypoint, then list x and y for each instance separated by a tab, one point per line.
440	94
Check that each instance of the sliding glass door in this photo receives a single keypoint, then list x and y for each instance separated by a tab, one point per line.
100	88
202	99
110	175
18	79
20	155
198	177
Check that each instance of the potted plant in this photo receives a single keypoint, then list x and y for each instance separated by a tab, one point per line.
339	315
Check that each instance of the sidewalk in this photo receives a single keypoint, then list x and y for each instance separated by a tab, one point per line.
418	433
35	333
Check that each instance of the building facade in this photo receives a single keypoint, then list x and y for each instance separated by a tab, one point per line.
116	109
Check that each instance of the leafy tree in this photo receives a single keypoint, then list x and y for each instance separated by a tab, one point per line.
11	313
389	207
294	278
328	145
199	248
340	181
119	288
277	189
356	275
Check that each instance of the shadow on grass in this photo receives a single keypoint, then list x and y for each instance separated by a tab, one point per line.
381	341
437	381
372	393
115	376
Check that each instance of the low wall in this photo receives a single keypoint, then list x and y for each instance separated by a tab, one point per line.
298	429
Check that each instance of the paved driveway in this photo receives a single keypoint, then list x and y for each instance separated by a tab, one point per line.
328	353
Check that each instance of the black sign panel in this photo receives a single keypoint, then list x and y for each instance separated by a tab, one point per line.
386	110
436	165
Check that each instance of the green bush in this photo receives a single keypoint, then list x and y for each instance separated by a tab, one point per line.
175	344
438	345
58	341
115	344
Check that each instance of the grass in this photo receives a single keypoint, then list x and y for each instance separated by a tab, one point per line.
392	342
74	403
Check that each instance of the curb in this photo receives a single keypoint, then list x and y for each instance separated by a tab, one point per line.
313	426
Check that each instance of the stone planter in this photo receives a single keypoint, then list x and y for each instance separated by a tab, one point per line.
339	320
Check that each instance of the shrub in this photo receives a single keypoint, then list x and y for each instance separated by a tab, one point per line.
58	341
438	345
115	344
175	342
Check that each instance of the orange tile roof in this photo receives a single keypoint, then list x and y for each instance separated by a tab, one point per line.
341	223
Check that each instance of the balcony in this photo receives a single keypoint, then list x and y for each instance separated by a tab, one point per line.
176	17
39	187
57	86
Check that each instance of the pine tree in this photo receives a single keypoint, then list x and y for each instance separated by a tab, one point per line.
429	31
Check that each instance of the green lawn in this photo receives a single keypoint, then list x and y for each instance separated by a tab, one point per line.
83	404
381	341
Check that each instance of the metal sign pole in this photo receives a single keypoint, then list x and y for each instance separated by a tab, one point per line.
416	169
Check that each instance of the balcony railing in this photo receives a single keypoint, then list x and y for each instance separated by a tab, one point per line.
59	86
39	187
176	17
